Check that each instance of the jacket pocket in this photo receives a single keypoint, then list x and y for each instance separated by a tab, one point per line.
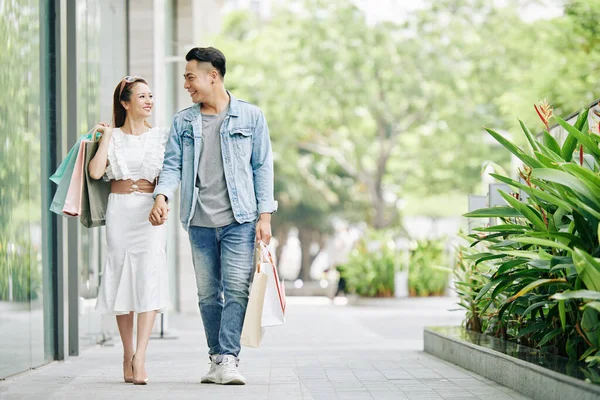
187	142
242	141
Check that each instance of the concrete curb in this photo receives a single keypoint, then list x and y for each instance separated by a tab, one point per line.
530	379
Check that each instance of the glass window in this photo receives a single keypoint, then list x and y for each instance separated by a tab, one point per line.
21	288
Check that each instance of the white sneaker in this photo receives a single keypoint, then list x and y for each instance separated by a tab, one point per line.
227	372
211	376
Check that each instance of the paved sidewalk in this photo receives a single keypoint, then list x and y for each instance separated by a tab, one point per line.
323	352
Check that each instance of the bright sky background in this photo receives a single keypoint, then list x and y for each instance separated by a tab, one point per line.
395	10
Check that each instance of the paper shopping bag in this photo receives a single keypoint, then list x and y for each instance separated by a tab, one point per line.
58	202
72	205
63	170
252	330
94	196
273	312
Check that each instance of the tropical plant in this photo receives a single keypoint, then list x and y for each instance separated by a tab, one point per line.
543	286
372	265
471	276
428	274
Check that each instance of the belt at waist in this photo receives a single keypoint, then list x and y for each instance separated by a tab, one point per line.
126	186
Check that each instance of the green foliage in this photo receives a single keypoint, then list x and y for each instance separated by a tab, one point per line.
20	274
540	266
427	273
20	149
355	108
372	265
471	276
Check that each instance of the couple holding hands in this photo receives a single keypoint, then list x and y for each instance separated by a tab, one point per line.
220	151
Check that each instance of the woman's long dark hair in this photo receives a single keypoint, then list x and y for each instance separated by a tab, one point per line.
123	92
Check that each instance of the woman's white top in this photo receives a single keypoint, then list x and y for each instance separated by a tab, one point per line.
143	158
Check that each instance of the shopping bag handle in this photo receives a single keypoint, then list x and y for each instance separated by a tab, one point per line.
265	249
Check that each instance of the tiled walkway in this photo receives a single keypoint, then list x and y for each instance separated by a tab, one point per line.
323	352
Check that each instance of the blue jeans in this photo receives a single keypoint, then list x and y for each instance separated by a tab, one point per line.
223	264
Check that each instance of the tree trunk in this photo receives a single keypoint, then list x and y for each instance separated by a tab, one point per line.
306	237
282	235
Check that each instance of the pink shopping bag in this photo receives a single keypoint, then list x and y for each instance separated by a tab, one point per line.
72	205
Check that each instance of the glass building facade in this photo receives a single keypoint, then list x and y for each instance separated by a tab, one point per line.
59	65
22	285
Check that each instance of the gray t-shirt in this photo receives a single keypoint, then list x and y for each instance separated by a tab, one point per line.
214	207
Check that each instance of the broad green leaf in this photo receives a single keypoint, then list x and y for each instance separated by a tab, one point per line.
562	313
564	179
525	211
549	336
534	285
569	147
591	179
551	143
532	255
583	138
577	294
494	212
529	136
534	192
488	286
588	269
588	353
582	121
592	304
547	160
570	269
585	208
532	162
537	327
535	306
583	228
477	256
589	325
503	228
541	242
488	258
507	266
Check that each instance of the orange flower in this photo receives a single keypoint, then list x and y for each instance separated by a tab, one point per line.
544	111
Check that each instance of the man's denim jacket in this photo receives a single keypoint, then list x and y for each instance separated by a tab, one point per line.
247	160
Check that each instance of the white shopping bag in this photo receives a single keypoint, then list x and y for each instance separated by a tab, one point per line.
252	331
273	312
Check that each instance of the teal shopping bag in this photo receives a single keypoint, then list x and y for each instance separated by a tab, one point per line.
62	168
60	196
63	174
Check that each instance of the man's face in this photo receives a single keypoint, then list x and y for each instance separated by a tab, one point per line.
199	80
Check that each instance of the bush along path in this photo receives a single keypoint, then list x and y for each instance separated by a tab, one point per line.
534	278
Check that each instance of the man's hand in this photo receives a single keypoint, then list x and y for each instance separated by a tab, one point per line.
263	228
159	212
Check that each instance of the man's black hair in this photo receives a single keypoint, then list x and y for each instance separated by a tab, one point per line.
210	55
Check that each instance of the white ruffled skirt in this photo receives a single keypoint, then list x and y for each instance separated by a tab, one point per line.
135	274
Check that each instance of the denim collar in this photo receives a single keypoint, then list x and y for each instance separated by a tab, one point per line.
194	111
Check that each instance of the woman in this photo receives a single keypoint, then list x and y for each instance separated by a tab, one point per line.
131	156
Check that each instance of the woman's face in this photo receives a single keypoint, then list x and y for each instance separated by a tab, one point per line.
141	102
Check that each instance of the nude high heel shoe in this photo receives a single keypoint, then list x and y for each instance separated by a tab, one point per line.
137	382
128	369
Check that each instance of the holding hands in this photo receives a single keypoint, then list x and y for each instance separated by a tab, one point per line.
158	214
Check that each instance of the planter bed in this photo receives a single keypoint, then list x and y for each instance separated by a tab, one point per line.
521	368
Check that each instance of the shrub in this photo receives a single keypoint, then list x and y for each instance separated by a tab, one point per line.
543	282
428	274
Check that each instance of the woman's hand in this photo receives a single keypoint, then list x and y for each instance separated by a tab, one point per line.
103	128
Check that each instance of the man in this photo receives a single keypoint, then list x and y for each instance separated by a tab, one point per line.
220	150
